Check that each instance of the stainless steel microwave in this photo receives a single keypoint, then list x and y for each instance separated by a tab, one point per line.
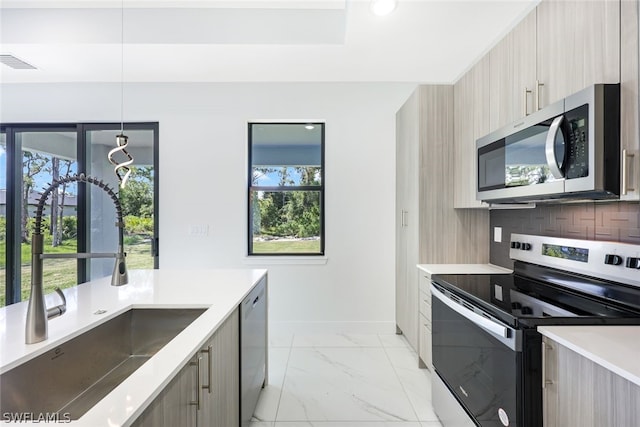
567	150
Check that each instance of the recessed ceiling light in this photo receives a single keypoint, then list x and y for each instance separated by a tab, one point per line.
309	127
383	7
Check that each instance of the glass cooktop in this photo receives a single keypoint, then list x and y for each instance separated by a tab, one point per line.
553	297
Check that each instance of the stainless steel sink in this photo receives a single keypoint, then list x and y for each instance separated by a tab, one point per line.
74	376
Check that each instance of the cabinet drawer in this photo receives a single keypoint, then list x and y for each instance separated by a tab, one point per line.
425	342
425	285
425	305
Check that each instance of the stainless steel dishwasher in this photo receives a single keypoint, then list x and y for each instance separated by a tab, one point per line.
253	350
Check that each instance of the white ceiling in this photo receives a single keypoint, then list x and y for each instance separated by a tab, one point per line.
422	41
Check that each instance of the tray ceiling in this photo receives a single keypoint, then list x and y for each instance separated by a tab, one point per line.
422	41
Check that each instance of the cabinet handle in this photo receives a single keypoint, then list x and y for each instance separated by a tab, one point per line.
209	351
545	381
625	171
403	218
196	403
538	85
525	97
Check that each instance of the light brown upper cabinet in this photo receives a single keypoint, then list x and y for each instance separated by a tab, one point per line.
471	121
578	44
513	74
629	132
559	48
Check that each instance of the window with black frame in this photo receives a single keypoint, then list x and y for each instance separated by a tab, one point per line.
76	218
286	189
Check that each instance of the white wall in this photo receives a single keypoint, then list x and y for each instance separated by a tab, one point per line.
203	146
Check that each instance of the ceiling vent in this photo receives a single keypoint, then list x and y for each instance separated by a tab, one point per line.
15	63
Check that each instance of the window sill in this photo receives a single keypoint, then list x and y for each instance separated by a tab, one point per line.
285	260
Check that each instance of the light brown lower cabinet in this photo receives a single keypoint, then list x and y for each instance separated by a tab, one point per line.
210	399
220	404
424	339
173	407
579	392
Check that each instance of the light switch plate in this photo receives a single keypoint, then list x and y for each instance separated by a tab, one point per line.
201	230
497	234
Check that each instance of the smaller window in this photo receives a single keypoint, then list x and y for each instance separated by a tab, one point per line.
286	189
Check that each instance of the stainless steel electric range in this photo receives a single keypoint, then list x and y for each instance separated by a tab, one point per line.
486	350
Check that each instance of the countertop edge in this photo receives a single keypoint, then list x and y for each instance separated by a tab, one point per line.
463	269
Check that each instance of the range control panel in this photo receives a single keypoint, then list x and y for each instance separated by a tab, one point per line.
607	260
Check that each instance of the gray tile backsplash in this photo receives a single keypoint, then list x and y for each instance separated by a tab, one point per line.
613	221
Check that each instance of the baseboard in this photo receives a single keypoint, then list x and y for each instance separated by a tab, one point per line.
276	327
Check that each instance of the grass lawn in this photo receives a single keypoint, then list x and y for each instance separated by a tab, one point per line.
286	246
62	273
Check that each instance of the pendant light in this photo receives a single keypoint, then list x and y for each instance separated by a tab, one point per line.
121	169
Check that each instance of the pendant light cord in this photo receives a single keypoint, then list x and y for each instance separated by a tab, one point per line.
121	168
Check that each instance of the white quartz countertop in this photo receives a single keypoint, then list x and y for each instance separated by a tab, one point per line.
616	348
219	291
463	269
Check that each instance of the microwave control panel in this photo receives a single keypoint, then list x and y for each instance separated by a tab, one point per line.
577	137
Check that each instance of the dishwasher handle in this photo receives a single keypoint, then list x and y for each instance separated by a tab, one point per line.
483	322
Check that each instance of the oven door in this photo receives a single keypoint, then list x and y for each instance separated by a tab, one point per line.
478	358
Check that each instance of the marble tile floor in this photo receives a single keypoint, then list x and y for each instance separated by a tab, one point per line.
344	380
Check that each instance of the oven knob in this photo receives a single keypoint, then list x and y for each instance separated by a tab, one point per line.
633	262
613	259
526	310
526	246
515	245
516	305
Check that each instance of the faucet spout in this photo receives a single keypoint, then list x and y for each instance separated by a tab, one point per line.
36	326
120	275
37	313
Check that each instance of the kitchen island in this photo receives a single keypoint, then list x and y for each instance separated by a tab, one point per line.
219	292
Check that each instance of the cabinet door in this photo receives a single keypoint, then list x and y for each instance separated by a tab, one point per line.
481	101
578	44
407	162
220	377
512	76
601	31
471	121
464	164
425	354
406	120
579	392
549	383
175	405
630	173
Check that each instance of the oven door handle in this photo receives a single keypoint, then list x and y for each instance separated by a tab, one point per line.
486	324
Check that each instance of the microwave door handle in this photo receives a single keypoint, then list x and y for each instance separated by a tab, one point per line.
481	321
550	148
